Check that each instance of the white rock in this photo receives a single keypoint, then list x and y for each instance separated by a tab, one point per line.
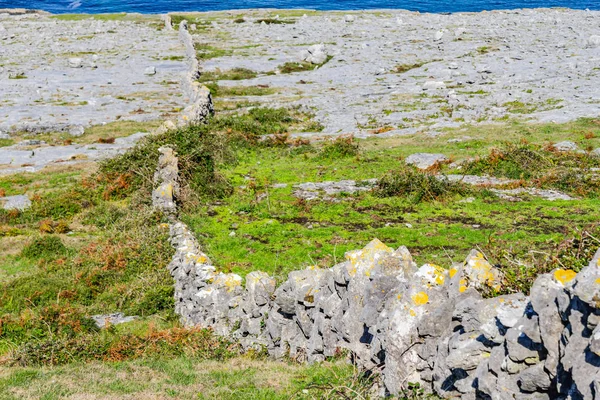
594	41
433	85
150	71
20	202
75	62
349	18
425	160
438	35
76	131
566	145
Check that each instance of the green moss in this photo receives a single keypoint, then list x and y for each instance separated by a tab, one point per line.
205	51
291	67
235	74
44	247
273	21
229	91
402	68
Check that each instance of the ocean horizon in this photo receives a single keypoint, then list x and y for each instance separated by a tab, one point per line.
163	6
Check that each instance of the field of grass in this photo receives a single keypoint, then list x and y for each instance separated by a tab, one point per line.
92	244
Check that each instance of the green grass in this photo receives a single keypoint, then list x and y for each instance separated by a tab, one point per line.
187	378
402	68
6	142
273	21
205	51
278	233
235	74
301	66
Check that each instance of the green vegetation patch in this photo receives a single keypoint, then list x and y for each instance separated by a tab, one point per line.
301	66
235	74
230	91
571	172
205	51
274	21
402	68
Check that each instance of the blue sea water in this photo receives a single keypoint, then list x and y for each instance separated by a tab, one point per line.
162	6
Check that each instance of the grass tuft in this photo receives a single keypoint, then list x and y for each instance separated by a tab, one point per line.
418	186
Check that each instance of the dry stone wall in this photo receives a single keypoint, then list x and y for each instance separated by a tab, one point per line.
410	324
200	106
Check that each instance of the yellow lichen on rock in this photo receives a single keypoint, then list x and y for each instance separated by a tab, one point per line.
564	276
366	258
420	298
462	285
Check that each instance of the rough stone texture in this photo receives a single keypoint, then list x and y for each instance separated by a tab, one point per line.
15	158
427	325
327	189
425	160
528	56
19	202
201	106
565	145
85	72
106	320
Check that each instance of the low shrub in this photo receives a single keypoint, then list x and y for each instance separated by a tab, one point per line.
107	346
418	186
47	247
340	147
200	152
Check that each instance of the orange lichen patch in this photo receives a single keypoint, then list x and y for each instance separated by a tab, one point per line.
412	312
452	272
420	298
564	276
399	296
597	280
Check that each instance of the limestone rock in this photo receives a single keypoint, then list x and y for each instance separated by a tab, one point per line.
565	146
18	202
76	131
315	54
425	160
106	320
75	62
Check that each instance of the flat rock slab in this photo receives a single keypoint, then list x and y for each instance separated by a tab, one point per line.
19	202
105	320
425	160
16	159
512	194
412	72
476	180
57	73
328	189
